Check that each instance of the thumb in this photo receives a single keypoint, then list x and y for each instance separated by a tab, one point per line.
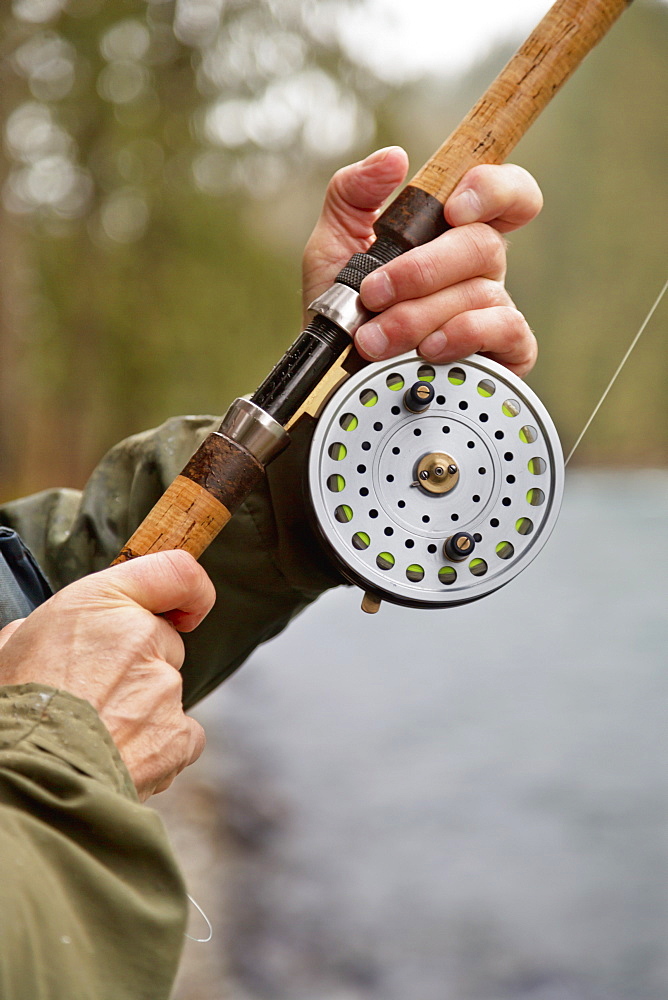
356	192
354	196
170	582
8	631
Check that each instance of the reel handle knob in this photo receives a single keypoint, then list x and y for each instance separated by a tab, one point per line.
419	397
459	546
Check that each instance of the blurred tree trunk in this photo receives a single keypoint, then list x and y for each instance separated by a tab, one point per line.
14	309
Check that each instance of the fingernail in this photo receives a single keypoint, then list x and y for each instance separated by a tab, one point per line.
433	346
371	340
465	207
382	154
379	155
377	291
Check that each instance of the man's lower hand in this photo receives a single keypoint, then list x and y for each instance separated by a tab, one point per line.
112	640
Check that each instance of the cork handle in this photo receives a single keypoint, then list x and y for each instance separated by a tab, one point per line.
199	502
555	48
185	517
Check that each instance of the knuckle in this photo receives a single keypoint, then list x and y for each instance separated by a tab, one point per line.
188	576
466	327
336	186
174	683
521	343
182	566
526	186
496	248
513	324
530	354
338	180
197	738
518	325
142	633
477	177
170	684
498	295
483	292
398	323
187	744
421	271
486	247
474	294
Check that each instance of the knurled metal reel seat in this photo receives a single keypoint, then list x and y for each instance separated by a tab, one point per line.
434	485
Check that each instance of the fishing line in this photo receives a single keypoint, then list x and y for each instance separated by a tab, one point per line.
204	940
621	365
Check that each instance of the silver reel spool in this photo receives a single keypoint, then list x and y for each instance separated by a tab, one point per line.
441	505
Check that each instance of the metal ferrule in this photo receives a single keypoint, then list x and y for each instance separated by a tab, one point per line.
249	426
343	306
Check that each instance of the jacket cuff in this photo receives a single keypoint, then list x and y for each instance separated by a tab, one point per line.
35	718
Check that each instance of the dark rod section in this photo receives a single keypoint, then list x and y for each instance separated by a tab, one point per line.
300	369
413	218
225	470
316	349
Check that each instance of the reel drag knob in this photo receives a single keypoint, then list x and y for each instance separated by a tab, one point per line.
419	397
459	546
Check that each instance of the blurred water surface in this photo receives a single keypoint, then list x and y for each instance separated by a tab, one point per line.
467	804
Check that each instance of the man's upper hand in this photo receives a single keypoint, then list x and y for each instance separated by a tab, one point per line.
447	298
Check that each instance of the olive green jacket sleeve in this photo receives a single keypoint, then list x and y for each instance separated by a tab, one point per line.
92	906
266	564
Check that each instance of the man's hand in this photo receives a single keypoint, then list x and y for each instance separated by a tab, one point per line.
446	299
101	639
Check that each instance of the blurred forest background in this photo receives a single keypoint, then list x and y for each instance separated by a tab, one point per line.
162	163
161	167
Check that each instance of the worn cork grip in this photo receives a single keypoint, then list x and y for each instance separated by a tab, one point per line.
199	502
556	47
185	517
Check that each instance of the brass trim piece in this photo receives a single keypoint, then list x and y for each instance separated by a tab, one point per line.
435	472
371	602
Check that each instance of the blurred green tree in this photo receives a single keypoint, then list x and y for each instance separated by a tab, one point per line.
598	255
135	133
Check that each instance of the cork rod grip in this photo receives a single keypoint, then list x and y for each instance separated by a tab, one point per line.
185	517
199	502
556	47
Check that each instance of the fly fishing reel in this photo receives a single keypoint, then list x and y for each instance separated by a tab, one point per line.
434	485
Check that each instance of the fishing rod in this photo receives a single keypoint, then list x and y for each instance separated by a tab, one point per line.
430	485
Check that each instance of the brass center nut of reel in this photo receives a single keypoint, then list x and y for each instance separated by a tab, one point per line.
437	472
412	523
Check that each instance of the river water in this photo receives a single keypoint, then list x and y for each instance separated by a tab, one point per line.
468	804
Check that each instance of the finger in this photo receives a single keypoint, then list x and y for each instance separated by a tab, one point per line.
403	326
352	204
356	192
167	642
8	631
457	255
164	582
505	195
500	332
